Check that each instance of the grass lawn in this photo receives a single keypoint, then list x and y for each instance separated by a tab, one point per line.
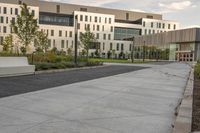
118	60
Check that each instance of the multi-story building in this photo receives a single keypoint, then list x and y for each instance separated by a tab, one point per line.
113	28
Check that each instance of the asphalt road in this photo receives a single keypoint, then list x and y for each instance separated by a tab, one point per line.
23	84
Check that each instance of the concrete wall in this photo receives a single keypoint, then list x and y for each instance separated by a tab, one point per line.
178	36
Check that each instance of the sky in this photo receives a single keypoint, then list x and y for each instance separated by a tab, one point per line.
187	12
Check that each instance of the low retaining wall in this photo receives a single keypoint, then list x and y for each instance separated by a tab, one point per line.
183	121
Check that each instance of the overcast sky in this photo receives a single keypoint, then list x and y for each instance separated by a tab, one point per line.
187	12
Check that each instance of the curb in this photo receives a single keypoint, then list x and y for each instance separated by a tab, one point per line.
183	120
69	69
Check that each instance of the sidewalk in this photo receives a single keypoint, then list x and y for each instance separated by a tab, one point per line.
143	101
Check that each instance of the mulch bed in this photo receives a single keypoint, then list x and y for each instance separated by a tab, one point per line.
196	105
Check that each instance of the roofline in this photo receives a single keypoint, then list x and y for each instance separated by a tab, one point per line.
99	7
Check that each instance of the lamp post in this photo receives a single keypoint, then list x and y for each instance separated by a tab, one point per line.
76	40
132	50
144	51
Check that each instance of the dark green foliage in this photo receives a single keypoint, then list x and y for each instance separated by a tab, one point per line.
197	70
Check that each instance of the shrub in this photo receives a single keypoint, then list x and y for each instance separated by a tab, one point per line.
197	70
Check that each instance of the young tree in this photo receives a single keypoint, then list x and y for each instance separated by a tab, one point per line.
8	43
87	39
25	27
41	41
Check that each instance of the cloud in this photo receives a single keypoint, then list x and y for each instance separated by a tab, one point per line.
175	6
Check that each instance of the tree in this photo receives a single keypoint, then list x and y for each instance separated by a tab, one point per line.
87	39
25	27
8	43
41	41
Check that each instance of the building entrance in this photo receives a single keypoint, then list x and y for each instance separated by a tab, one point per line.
184	56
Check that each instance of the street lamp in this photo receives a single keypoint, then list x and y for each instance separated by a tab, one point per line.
144	51
76	40
132	50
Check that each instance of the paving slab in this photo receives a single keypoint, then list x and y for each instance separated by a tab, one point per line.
142	101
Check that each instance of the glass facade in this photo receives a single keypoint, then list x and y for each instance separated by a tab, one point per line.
56	19
125	33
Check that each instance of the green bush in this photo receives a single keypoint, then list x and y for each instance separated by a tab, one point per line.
197	70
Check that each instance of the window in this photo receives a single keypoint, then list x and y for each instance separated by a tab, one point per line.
13	19
163	26
52	32
103	46
90	18
97	36
60	33
145	31
4	10
81	17
149	31
104	36
33	12
95	20
105	20
65	33
130	47
58	8
56	19
49	42
127	16
110	20
4	29
93	27
174	27
111	45
159	25
98	27
169	26
19	2
67	44
11	11
1	39
102	27
86	18
111	29
144	24
122	47
117	47
79	26
99	19
6	20
83	9
16	11
150	16
54	43
151	24
62	44
109	37
121	33
70	34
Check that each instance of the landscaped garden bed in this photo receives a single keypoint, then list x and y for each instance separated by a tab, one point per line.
196	100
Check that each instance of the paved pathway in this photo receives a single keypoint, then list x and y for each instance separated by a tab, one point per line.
23	84
136	102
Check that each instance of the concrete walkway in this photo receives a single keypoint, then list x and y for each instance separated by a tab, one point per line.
143	101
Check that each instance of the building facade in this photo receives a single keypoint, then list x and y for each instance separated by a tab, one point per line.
183	45
113	28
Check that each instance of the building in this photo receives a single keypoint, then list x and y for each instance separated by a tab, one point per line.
183	45
113	28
